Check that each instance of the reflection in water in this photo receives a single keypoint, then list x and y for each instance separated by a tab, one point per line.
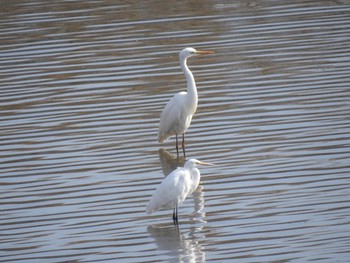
179	247
169	161
82	85
198	197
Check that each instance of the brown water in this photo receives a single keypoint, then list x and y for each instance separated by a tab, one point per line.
81	90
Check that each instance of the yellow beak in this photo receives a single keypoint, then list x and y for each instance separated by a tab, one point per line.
203	52
203	163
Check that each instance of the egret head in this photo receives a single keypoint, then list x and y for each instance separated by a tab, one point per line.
189	52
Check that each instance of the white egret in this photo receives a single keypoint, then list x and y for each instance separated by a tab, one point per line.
174	189
177	113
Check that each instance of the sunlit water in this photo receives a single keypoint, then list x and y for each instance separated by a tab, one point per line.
81	90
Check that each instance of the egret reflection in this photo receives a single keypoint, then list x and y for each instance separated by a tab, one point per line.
169	162
178	246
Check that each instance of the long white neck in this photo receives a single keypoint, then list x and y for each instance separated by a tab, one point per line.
192	96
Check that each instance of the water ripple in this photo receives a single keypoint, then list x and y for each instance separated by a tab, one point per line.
82	88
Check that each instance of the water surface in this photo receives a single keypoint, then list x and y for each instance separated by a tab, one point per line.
81	90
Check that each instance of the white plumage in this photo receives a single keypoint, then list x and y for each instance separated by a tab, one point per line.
174	189
177	114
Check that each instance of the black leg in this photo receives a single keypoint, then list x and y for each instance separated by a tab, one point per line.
174	215
177	210
177	146
183	145
175	218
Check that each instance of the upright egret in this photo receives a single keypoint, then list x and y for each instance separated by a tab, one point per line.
174	189
177	113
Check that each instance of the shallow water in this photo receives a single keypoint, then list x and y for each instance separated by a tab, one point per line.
81	90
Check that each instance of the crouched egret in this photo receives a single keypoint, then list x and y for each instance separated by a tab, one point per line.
174	189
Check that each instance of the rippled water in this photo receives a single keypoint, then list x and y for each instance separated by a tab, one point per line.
81	90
